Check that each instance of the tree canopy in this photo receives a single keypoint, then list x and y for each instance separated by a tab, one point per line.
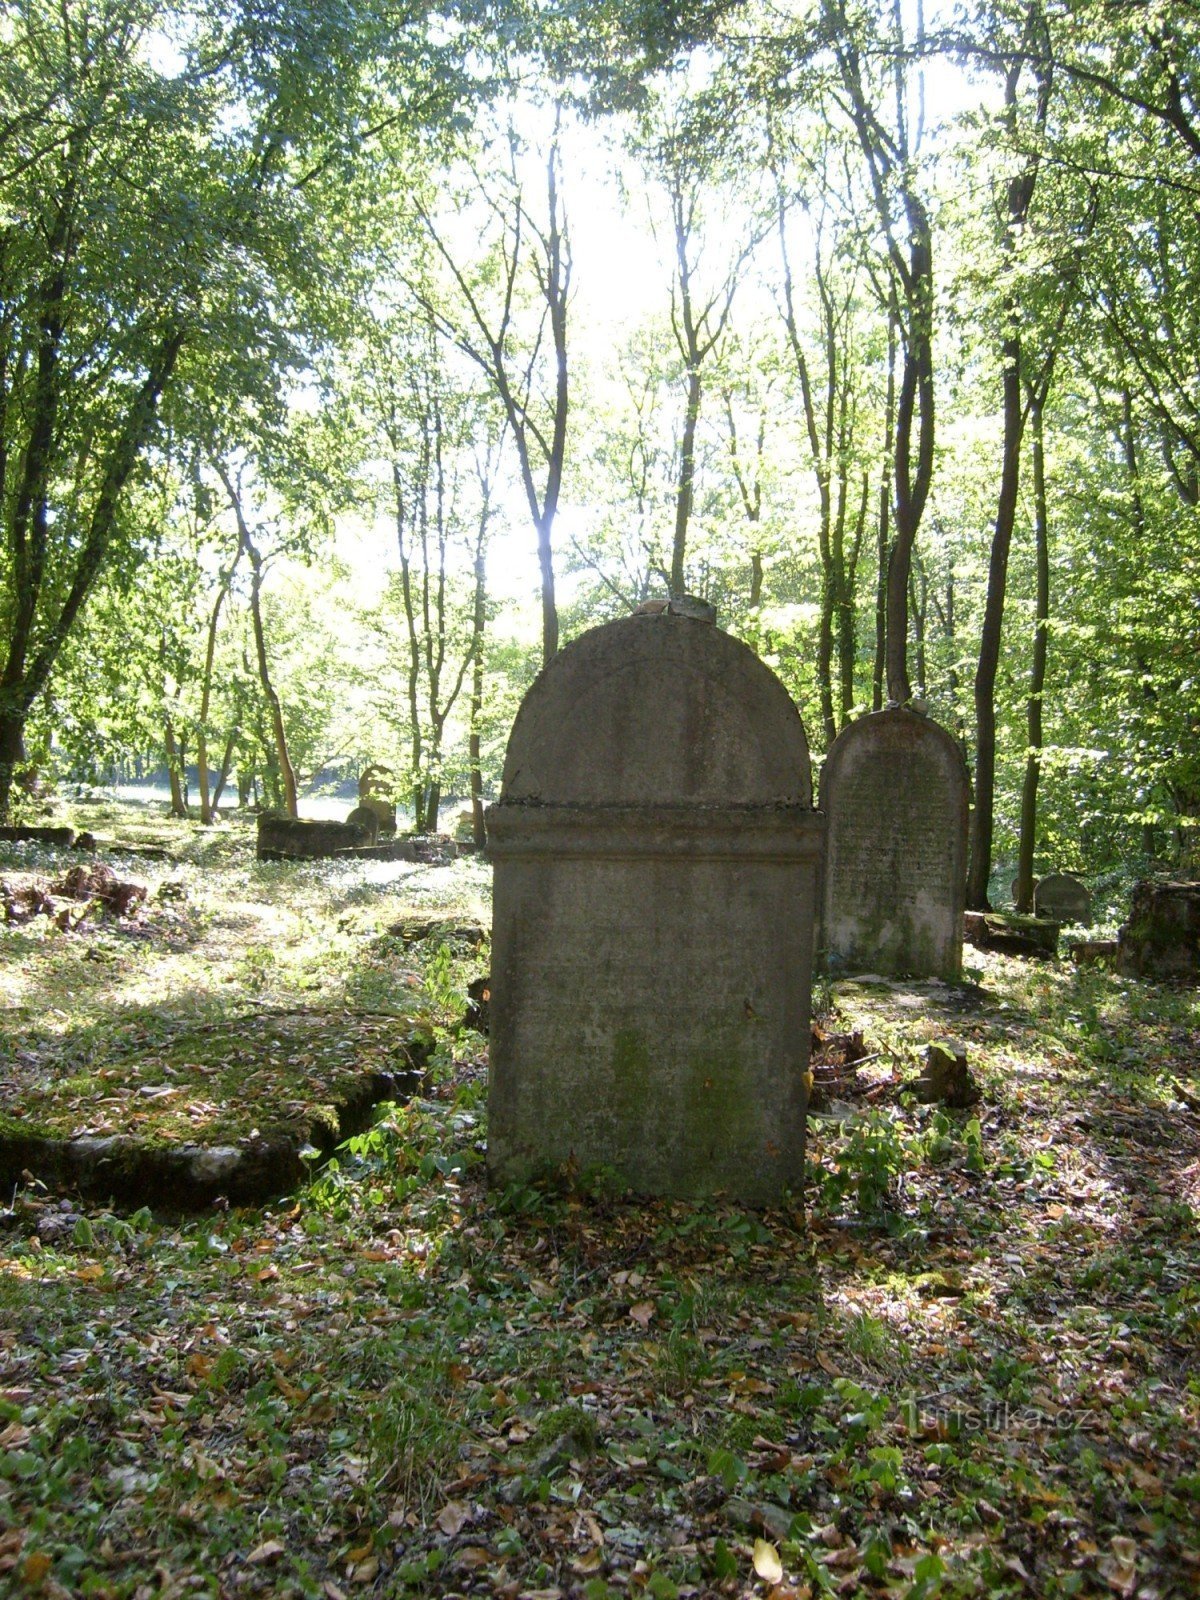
876	325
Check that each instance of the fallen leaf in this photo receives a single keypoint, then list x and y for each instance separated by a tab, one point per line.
35	1568
269	1550
642	1313
453	1517
766	1561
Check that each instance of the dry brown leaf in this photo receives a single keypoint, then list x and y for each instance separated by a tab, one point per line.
453	1517
642	1313
269	1550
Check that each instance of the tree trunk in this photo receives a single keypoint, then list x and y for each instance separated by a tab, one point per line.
179	806
982	817
280	771
479	623
207	804
1037	675
23	679
883	540
687	479
1138	509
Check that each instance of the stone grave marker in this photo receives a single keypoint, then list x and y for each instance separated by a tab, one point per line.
1063	898
895	793
656	869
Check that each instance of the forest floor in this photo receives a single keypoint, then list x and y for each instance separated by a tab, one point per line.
971	1366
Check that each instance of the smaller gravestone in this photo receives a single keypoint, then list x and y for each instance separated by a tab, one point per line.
373	797
1062	898
1162	937
895	791
366	818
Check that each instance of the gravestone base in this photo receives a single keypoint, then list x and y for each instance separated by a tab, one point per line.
646	1014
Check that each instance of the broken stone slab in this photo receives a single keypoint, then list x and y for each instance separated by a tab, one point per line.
393	850
1161	940
184	1177
1011	934
61	838
945	1077
283	838
1092	952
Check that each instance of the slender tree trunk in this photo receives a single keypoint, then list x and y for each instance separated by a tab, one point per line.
1138	510
1019	197
687	480
919	602
283	759
883	541
28	664
982	817
179	807
479	624
284	775
223	773
847	630
207	804
1037	675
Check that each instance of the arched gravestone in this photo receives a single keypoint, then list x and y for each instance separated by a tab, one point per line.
894	790
656	866
1063	897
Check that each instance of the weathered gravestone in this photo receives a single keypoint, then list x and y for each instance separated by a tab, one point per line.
1063	898
894	790
1161	940
656	863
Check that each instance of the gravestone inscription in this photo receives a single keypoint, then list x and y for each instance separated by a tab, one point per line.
656	863
894	789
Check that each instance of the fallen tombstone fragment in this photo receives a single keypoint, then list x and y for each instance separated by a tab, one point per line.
1012	935
1092	952
101	883
25	901
64	837
945	1077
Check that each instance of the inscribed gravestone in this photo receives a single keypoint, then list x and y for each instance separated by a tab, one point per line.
894	790
656	861
1062	897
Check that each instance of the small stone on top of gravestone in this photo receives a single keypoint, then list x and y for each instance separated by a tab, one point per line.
656	858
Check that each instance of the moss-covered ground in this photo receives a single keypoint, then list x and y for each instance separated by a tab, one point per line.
242	996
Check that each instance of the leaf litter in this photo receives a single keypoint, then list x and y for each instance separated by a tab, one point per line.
969	1369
